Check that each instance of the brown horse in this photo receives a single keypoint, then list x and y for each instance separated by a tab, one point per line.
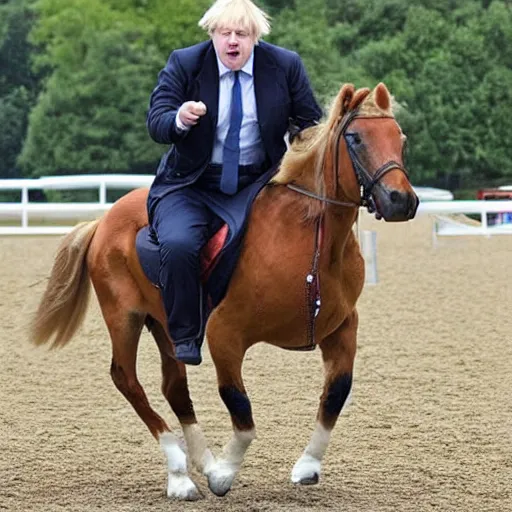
299	236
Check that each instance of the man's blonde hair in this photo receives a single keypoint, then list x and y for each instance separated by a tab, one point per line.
236	13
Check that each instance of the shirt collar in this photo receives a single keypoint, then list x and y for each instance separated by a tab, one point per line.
248	68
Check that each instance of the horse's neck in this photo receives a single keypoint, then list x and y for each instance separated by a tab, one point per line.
288	210
338	231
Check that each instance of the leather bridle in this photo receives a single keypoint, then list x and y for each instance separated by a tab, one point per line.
365	179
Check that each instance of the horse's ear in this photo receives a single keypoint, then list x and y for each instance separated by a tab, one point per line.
345	97
359	97
382	97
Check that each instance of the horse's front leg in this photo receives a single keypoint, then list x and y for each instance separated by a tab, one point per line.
338	352
227	354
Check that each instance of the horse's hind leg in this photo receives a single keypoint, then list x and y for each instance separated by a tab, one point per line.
125	329
338	352
175	390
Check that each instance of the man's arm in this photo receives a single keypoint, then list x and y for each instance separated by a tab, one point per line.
305	109
165	101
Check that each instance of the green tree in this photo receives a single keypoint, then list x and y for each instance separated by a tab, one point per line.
104	58
448	64
18	83
13	119
306	31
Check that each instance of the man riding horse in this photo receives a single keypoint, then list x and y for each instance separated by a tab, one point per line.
300	234
224	106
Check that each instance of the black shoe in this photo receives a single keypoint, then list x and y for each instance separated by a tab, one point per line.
188	352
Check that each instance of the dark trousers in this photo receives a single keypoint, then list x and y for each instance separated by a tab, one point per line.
183	224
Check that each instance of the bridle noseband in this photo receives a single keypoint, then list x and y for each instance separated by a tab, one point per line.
366	180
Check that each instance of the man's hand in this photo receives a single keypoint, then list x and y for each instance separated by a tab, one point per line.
190	112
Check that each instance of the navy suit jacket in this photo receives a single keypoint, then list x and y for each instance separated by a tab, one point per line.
282	92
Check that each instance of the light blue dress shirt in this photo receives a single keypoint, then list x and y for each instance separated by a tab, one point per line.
252	150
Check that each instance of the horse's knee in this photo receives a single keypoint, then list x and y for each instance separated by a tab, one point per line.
335	397
239	406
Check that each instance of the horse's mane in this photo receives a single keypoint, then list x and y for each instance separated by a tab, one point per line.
304	160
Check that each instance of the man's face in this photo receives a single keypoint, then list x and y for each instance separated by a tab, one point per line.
233	45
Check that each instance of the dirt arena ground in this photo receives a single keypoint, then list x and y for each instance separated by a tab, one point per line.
429	427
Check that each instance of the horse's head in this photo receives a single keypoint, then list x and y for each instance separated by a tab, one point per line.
354	158
369	140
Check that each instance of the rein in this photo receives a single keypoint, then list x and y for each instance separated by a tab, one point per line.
320	198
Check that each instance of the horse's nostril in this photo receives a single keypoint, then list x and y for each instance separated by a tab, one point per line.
394	196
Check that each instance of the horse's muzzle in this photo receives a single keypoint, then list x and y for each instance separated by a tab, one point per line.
395	205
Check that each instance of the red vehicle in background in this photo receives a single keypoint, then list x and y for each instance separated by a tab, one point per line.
501	193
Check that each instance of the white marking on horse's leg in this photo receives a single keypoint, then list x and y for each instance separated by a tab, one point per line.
198	451
223	472
179	485
307	468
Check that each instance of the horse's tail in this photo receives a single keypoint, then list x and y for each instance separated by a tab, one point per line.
63	306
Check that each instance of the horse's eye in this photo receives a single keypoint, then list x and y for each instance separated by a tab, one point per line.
355	138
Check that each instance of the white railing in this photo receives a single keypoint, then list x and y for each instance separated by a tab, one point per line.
434	201
25	211
445	222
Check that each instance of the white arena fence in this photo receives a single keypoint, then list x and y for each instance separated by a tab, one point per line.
451	218
30	215
29	218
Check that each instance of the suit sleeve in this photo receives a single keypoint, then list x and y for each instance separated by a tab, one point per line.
165	101
305	109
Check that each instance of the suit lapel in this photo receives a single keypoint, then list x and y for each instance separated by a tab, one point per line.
208	85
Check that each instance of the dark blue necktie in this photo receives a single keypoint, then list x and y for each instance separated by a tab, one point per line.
231	154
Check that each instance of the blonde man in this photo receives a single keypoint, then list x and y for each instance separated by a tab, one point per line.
223	106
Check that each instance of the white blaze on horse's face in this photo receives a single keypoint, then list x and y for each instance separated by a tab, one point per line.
233	46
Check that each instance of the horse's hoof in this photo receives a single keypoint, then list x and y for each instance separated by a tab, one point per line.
306	471
193	495
311	480
220	481
220	485
180	487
